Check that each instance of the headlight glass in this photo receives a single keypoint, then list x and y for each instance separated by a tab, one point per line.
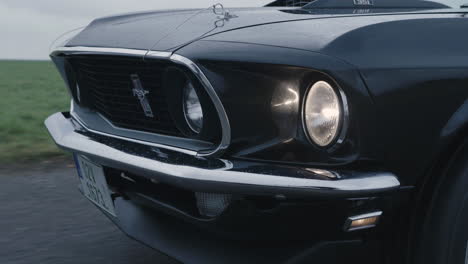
322	114
78	93
192	108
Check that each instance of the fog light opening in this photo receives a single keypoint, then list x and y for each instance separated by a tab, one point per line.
364	221
212	204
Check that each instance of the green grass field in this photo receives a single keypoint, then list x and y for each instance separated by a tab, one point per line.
29	92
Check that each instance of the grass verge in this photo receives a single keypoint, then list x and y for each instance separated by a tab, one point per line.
29	92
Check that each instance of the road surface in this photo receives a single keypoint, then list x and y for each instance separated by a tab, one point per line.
44	219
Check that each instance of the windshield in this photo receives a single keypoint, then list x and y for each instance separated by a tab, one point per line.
386	3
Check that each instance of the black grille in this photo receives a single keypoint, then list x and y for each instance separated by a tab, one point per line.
106	87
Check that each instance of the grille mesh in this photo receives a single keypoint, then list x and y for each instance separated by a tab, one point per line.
107	87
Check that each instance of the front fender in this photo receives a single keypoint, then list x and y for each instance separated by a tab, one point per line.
254	82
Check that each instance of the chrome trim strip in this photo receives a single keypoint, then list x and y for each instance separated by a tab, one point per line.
341	135
359	217
225	125
109	51
225	178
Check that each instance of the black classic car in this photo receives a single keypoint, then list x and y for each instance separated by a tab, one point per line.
328	131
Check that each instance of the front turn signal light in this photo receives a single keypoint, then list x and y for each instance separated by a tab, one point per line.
364	221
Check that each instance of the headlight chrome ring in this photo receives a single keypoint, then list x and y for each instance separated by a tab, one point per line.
325	114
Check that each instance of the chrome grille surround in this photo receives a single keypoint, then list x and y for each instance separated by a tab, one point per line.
175	58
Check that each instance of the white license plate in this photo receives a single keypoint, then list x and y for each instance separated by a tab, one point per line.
94	184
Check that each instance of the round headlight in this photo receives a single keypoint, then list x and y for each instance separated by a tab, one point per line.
322	114
192	108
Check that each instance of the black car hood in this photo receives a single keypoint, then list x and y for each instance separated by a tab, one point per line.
393	39
169	30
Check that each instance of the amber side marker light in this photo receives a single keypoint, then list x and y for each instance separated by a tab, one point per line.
363	221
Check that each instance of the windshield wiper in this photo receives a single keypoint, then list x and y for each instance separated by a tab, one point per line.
464	6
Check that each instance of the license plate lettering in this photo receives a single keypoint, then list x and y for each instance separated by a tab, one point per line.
94	184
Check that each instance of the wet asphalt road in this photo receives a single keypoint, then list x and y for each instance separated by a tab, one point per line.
44	219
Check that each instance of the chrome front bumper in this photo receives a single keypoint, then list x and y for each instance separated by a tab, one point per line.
215	175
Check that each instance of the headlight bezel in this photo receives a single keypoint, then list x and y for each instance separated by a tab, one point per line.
343	124
174	80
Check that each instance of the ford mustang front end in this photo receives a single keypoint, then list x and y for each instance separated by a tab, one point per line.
251	136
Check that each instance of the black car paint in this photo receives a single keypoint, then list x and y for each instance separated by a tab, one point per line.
404	72
394	67
414	66
190	244
255	230
169	30
265	216
260	127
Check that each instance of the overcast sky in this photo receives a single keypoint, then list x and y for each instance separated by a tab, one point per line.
28	27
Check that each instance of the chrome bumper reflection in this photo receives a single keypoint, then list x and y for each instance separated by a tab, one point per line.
215	175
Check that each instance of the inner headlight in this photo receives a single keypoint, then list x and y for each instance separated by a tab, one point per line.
78	93
323	115
192	108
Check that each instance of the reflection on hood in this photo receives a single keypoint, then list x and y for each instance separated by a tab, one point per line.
292	3
377	4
